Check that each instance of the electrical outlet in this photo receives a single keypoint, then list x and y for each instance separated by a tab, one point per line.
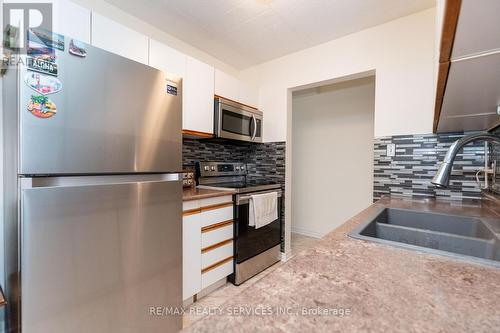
391	150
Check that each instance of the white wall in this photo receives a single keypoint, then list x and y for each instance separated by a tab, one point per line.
332	154
402	52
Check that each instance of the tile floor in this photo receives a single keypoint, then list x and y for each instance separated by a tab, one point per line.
219	296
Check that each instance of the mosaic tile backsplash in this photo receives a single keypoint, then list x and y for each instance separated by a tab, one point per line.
265	161
417	159
407	174
213	151
496	156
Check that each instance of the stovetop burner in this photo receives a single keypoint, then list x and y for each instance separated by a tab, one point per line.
231	176
239	185
244	187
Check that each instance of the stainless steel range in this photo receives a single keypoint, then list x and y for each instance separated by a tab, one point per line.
255	249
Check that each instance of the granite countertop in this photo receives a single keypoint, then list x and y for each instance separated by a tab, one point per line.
378	288
203	193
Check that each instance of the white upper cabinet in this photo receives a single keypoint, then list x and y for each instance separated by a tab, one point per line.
248	94
227	86
68	19
231	88
198	97
116	38
166	58
71	20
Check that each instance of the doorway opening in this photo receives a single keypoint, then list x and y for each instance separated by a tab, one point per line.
332	156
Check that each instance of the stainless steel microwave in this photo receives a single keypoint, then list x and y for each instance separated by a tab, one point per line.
237	121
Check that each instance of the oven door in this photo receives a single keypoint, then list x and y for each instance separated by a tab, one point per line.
249	241
237	122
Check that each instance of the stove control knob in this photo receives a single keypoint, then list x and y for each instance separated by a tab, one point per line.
206	168
242	168
237	168
212	168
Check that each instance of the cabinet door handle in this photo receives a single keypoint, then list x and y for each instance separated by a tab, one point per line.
216	226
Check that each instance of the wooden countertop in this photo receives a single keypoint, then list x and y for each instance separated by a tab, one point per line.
203	193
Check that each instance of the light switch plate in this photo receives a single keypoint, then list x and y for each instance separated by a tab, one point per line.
391	150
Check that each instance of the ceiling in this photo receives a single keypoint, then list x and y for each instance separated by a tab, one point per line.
243	33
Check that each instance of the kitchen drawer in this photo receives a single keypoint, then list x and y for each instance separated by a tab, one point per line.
190	205
213	216
202	204
213	256
216	235
216	200
215	274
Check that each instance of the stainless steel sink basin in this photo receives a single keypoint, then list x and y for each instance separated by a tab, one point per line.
468	238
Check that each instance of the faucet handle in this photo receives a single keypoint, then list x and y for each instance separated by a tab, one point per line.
487	172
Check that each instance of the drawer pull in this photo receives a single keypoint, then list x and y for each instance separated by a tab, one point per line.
191	212
216	226
217	264
213	247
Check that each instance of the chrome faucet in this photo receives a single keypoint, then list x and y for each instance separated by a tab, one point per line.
442	176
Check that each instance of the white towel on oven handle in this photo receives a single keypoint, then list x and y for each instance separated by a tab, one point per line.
263	209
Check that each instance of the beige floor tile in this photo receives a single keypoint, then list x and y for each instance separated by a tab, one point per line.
198	310
301	242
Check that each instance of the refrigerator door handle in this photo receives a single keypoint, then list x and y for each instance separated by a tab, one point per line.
98	180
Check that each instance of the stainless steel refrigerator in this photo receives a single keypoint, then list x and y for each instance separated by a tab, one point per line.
92	194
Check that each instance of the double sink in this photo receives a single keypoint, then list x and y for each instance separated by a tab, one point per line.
468	238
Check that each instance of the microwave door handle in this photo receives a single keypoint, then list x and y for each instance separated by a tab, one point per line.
218	122
251	130
254	127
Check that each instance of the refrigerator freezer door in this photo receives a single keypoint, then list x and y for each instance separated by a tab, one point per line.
98	258
113	115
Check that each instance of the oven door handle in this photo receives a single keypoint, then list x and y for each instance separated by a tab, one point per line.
243	199
254	127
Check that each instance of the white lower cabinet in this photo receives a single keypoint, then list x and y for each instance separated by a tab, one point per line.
221	214
217	273
217	235
207	243
214	256
191	259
